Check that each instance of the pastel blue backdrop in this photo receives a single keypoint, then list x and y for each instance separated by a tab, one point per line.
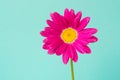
21	53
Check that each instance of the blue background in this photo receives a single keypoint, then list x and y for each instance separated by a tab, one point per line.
21	53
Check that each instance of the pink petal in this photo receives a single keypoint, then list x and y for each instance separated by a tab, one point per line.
90	31
75	58
45	40
66	12
83	36
83	23
69	16
77	19
87	49
82	48
87	33
72	14
50	32
61	49
79	14
92	39
78	47
65	57
70	51
43	33
82	41
54	45
45	46
54	17
49	40
51	51
50	23
62	22
58	19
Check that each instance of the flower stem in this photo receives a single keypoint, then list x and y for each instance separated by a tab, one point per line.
72	69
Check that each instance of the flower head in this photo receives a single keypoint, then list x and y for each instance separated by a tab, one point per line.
66	34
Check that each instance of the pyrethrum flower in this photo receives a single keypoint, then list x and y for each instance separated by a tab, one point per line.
67	34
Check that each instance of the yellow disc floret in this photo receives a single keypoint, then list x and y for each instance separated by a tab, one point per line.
69	35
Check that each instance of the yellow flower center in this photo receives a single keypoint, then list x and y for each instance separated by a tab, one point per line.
69	35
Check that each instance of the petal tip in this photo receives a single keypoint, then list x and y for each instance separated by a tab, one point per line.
41	32
88	18
66	9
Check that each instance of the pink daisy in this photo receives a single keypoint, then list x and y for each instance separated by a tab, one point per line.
66	34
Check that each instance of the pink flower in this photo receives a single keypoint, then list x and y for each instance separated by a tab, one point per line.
66	34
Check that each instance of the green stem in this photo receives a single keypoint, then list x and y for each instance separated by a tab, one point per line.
72	69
